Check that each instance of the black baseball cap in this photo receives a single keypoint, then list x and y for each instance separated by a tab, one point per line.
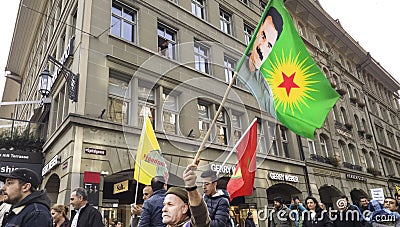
23	174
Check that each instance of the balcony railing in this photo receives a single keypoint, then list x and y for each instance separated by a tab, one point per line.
21	135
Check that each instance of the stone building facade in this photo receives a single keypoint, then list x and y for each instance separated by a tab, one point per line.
174	60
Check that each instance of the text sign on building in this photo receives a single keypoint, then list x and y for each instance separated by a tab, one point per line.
53	163
356	177
121	187
11	160
91	182
283	177
227	169
89	150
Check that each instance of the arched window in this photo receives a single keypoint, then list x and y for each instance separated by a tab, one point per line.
366	158
301	29
318	42
353	154
324	145
343	116
358	125
343	151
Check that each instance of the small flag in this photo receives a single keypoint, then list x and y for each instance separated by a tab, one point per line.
242	181
149	160
278	70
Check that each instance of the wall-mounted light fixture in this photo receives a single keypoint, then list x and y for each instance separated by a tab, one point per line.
71	78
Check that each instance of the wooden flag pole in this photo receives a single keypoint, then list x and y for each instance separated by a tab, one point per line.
196	159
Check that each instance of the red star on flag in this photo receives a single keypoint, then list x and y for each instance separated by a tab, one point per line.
288	83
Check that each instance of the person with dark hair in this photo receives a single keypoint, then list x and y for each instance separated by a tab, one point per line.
29	206
84	215
280	215
348	215
363	203
217	201
298	208
152	207
249	220
266	38
386	214
314	216
59	214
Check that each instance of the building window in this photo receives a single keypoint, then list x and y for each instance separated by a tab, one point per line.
166	41
118	100
318	42
261	143
170	112
301	29
229	65
262	5
202	57
311	147
246	2
248	33
272	138
225	20
324	146
285	142
123	21
147	103
198	8
221	124
204	119
237	127
343	151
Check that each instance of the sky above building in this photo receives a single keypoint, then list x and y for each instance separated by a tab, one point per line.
373	23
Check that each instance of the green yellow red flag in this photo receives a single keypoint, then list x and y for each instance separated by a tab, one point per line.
278	70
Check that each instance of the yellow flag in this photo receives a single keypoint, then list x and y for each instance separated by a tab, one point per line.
397	189
149	161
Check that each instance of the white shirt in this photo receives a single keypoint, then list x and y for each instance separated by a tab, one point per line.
75	220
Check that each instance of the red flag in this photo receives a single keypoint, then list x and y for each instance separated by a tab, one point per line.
242	181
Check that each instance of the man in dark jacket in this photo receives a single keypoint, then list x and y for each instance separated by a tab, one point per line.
217	201
152	207
85	215
348	215
30	207
281	216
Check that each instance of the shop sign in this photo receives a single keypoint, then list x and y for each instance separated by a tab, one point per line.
11	160
343	133
356	177
91	182
121	187
283	177
227	169
55	161
89	150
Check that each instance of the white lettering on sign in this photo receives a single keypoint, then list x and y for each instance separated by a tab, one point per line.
283	177
55	161
222	168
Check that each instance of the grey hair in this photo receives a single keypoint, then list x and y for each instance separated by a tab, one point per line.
81	192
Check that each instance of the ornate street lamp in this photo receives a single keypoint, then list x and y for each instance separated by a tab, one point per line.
45	83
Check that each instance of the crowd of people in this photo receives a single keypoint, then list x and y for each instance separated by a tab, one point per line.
315	214
23	205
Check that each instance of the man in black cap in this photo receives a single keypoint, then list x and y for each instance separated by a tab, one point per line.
30	207
185	207
280	216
